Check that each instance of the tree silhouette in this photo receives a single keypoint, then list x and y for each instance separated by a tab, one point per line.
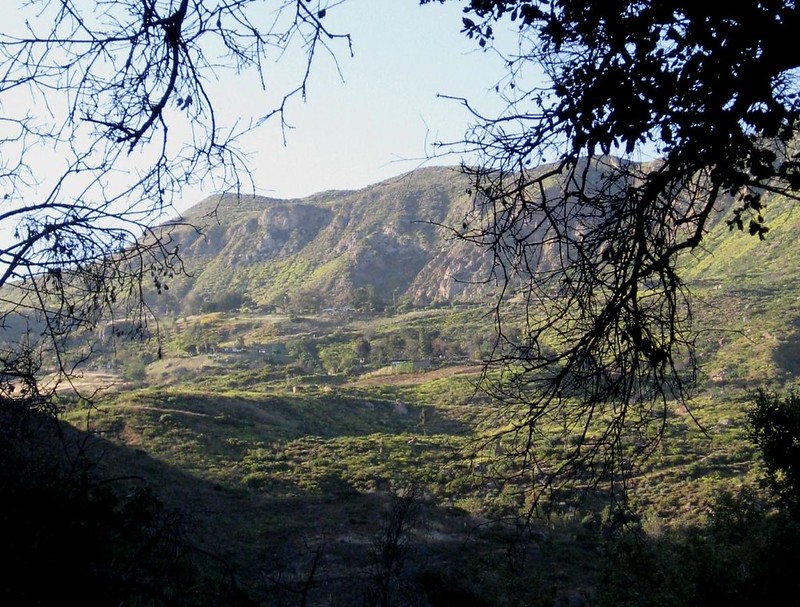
774	427
108	113
629	126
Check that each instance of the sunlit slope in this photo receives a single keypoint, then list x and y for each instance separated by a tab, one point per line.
381	248
747	299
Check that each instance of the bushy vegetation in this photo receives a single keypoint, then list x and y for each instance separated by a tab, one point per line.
283	438
73	535
745	554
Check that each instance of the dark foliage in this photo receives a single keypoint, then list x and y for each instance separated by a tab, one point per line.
747	552
70	538
390	583
654	118
774	426
744	555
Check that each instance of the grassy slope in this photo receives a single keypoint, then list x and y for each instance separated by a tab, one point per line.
748	303
260	468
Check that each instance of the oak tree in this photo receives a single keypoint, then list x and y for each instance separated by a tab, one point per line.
628	126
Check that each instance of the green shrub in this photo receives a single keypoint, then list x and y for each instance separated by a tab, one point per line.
774	426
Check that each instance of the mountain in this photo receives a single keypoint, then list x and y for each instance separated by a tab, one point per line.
382	247
379	245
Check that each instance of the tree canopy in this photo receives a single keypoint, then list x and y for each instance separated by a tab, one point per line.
629	126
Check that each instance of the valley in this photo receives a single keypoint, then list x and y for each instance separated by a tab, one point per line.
309	399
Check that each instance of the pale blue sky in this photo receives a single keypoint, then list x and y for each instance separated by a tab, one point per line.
382	118
375	116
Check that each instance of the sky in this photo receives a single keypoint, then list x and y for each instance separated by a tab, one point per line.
381	116
365	118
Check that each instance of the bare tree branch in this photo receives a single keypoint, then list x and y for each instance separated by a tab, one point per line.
588	247
109	112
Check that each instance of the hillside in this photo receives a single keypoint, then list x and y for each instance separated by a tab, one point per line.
373	248
747	301
381	248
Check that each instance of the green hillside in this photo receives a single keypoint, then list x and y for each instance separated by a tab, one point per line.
320	252
747	300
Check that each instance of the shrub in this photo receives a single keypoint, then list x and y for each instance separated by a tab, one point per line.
774	426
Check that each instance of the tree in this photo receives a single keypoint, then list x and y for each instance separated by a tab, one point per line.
108	112
339	358
362	349
305	351
774	427
652	116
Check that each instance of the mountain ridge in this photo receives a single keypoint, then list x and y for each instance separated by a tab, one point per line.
384	245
